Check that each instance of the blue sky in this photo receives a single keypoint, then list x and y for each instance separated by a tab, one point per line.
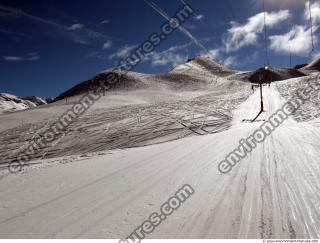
48	46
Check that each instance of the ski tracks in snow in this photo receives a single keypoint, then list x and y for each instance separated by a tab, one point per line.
272	193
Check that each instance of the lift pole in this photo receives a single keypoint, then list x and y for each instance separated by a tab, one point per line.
261	98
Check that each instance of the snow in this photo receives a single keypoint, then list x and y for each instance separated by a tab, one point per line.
112	122
11	103
272	193
310	109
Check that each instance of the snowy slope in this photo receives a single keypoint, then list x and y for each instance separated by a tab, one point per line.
204	67
274	74
112	122
196	74
10	103
272	193
313	66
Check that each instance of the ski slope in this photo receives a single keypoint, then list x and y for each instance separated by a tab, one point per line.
273	193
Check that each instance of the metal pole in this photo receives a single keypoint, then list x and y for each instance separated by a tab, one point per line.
311	25
261	98
265	34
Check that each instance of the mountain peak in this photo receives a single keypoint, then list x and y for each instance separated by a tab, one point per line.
10	103
314	65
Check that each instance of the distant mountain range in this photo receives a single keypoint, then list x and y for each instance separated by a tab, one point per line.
196	74
11	103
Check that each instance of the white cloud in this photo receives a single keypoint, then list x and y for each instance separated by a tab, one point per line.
177	48
75	27
106	21
169	58
230	61
31	56
315	12
316	55
107	45
217	55
13	58
199	17
214	54
21	58
123	52
247	34
172	56
297	41
83	35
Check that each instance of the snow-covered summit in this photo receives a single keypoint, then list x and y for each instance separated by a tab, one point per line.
11	103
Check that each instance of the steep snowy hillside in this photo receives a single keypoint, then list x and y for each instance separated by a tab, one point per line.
11	103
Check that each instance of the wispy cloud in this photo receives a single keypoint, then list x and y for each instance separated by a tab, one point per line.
13	58
172	56
33	56
172	59
218	55
199	17
316	55
214	54
106	21
75	32
241	35
315	12
230	61
297	41
75	27
107	45
123	52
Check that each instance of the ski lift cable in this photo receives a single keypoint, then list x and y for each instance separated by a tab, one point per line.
311	23
265	34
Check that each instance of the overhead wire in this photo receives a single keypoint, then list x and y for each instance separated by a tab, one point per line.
265	34
311	23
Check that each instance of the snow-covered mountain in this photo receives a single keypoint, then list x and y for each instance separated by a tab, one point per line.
199	73
11	103
313	66
274	74
201	65
195	74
